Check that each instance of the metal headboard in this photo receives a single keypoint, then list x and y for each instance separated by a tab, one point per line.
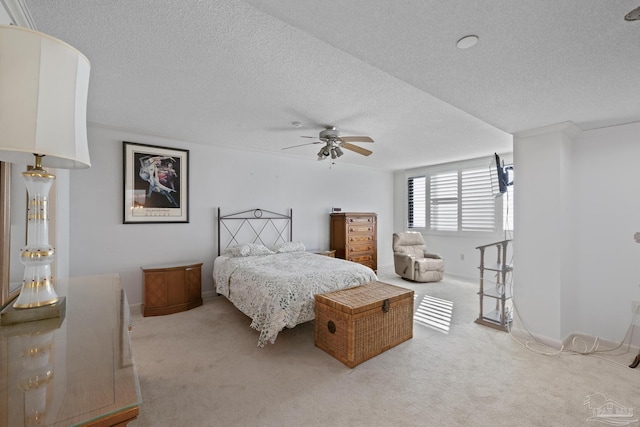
254	226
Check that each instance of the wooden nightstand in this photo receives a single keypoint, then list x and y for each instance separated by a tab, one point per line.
171	288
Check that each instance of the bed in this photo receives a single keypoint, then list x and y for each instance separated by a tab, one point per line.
271	278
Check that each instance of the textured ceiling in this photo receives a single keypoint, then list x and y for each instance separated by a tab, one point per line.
237	73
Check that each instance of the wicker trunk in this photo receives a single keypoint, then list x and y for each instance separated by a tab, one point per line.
356	324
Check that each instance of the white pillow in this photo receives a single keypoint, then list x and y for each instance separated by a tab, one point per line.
247	249
289	247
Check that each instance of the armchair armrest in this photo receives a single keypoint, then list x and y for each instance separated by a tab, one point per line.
404	264
434	256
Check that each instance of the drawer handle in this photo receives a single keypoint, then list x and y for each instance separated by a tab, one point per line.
331	326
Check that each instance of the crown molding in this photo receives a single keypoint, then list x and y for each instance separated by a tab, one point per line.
567	128
19	13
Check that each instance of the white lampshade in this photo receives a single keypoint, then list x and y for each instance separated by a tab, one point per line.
44	84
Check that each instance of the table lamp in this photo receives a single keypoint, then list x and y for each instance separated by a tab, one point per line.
44	84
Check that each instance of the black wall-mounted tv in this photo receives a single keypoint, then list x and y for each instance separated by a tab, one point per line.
499	176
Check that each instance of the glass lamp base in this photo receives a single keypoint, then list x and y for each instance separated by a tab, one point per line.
12	316
38	254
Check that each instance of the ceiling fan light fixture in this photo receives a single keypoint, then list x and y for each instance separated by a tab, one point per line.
467	41
634	15
333	143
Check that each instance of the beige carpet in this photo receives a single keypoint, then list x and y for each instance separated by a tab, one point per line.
203	368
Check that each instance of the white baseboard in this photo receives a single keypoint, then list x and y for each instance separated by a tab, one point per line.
209	294
461	277
135	308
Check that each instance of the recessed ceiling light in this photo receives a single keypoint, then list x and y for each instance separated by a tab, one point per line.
634	15
467	41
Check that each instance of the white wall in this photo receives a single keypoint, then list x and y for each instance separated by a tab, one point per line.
607	205
231	179
577	266
542	205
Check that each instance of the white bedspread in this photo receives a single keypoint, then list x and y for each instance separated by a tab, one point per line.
277	291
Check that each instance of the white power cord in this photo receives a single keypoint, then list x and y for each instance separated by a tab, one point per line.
592	351
528	344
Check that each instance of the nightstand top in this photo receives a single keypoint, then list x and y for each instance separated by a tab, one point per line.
170	265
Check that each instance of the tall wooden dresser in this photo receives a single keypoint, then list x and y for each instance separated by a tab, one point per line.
354	237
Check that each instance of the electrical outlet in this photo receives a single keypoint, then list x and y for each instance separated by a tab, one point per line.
635	307
461	257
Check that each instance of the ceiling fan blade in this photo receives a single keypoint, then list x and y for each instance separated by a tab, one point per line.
356	149
356	139
301	145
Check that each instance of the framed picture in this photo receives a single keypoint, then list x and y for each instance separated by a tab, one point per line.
14	206
8	289
156	184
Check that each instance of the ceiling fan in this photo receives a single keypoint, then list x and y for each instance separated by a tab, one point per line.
334	143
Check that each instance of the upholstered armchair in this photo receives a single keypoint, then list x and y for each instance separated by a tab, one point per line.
412	262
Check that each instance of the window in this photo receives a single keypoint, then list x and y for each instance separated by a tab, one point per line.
459	200
443	201
417	202
478	205
507	209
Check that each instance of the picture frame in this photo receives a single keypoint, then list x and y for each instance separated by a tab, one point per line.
156	184
14	207
8	290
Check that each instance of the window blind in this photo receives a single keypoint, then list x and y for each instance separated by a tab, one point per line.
507	209
478	205
444	201
417	187
459	199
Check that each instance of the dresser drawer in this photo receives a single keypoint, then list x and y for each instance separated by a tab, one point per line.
361	247
359	220
361	229
361	258
371	264
361	238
